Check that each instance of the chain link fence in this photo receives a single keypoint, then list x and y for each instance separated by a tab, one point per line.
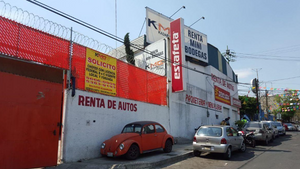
26	36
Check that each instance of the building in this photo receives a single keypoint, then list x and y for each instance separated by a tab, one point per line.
64	106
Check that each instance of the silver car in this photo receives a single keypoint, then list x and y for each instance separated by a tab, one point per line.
261	131
273	128
280	128
218	139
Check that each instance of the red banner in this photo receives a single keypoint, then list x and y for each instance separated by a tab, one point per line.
222	95
176	55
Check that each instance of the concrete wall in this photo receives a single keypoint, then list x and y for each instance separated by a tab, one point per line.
186	116
86	126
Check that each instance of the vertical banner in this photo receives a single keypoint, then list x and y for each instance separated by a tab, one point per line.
100	73
177	55
222	95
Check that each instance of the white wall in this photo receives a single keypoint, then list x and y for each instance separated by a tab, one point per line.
86	127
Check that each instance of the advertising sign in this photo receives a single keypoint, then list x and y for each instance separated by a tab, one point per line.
100	73
158	26
154	59
236	102
222	95
177	54
195	44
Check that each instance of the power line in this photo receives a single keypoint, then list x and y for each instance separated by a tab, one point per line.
283	79
268	55
96	29
249	57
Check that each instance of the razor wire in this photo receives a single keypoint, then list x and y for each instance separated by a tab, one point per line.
40	23
36	22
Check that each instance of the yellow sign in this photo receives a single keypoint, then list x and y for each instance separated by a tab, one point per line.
100	73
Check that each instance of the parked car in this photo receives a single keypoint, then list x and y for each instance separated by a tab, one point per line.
290	126
280	128
218	139
261	131
274	129
138	138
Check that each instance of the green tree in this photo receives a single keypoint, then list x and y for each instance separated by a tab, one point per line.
248	106
287	104
129	52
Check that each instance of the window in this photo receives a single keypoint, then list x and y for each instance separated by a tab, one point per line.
234	131
148	129
255	125
210	131
159	129
132	128
229	132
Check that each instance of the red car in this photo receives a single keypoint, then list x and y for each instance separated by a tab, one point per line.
138	138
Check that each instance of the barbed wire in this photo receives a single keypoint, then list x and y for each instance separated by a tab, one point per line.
36	22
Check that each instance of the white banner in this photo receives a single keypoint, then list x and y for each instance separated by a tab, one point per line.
154	59
158	25
195	44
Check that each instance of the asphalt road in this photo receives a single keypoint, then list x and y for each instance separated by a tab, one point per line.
283	153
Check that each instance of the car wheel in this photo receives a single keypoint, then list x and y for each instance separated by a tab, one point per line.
272	139
266	141
253	144
133	152
243	147
197	153
168	146
284	133
227	155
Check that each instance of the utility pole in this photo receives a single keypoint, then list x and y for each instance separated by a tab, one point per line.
257	95
267	106
257	102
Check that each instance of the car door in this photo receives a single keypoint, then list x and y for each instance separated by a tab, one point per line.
236	140
267	131
160	134
149	139
230	137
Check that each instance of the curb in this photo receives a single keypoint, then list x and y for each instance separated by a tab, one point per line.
159	163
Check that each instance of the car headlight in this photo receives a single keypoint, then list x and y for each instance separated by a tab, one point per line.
121	146
103	145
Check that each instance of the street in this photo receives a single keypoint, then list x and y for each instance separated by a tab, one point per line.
284	152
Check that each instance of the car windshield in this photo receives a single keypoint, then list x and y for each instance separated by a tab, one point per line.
277	124
132	128
210	131
288	124
268	124
254	125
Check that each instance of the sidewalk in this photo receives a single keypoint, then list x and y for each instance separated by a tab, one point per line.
148	160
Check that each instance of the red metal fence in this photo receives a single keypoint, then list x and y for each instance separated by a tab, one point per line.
26	43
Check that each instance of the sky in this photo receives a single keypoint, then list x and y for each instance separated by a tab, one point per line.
265	35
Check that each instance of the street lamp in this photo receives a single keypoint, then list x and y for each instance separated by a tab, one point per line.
197	21
177	11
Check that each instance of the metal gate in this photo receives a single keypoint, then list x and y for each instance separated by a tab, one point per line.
30	111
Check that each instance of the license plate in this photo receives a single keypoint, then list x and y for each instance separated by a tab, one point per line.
109	154
206	148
